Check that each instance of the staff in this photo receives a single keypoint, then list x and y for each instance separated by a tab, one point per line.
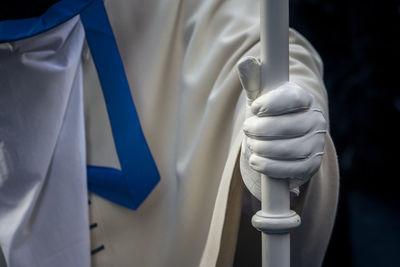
275	219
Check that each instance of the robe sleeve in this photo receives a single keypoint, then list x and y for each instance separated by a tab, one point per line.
318	198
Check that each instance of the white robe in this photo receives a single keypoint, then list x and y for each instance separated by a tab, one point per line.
180	59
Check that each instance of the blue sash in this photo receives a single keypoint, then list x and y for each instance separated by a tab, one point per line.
138	176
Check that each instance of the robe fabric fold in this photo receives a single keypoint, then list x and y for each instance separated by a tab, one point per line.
43	191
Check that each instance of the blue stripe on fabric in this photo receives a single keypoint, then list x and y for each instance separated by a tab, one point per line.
139	175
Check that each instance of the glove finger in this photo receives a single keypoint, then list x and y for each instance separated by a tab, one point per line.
288	149
287	98
284	126
297	169
249	70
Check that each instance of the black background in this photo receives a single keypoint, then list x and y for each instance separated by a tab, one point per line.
19	9
359	42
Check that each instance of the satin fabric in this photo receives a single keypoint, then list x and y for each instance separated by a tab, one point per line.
43	194
180	57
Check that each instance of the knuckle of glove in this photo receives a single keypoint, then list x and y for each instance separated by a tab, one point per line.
288	149
284	126
299	169
287	98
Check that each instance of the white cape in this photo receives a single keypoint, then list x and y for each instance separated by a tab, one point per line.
43	194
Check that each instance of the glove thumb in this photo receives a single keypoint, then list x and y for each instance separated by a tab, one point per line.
249	69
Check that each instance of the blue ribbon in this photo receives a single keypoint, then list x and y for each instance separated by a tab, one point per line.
138	176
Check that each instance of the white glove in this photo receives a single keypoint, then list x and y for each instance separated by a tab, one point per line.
285	132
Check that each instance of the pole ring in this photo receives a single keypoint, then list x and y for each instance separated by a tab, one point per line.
275	224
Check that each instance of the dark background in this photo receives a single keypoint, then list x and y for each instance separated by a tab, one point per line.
19	9
359	42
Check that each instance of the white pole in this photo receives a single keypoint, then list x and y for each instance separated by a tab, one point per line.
275	219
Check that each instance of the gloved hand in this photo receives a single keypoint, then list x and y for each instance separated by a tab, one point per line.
285	131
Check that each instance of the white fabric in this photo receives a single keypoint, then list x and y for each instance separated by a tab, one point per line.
285	131
180	57
43	196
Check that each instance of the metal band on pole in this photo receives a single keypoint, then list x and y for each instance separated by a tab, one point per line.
275	219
